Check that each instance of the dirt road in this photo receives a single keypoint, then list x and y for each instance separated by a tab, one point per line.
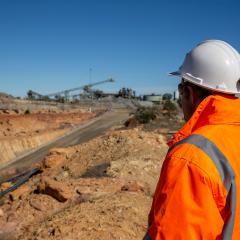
80	135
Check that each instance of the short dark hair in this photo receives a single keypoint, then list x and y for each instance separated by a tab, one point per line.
201	92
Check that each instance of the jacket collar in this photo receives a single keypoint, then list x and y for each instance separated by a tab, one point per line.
213	110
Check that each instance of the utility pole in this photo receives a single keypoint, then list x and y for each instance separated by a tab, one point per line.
90	82
90	75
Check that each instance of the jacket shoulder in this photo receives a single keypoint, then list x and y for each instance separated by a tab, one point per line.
193	157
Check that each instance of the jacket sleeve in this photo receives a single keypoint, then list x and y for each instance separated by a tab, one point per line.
184	206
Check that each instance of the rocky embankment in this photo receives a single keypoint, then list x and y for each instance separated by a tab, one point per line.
101	189
20	133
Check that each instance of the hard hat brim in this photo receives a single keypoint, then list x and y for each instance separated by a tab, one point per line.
176	73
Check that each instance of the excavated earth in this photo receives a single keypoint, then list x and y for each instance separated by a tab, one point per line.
21	132
101	189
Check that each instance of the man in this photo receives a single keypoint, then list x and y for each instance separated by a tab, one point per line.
198	194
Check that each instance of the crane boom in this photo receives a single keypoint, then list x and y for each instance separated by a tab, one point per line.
85	87
31	94
66	92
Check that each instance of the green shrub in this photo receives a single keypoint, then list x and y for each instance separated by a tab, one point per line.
145	114
169	106
27	111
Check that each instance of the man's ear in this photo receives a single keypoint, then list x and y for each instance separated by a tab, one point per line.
191	95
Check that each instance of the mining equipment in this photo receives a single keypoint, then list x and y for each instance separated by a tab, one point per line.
64	95
126	93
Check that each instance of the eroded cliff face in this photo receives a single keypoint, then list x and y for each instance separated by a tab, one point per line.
20	133
15	146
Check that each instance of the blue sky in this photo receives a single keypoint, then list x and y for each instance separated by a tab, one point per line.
51	45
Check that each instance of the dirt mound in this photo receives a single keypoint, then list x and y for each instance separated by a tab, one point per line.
13	125
118	216
98	190
6	98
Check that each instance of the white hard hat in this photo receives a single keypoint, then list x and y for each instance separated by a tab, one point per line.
214	65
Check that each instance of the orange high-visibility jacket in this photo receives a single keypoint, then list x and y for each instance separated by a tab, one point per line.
198	194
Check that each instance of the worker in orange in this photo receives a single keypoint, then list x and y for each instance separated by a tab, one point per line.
198	193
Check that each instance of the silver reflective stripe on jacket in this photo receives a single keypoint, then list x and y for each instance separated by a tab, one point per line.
226	172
